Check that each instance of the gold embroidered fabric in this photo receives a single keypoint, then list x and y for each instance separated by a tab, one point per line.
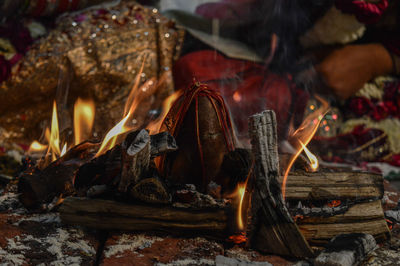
98	54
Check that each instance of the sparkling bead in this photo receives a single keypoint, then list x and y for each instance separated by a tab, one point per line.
167	35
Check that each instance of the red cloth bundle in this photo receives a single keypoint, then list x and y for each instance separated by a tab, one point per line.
200	123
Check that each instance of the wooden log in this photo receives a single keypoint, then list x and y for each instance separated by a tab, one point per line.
333	186
135	158
364	217
112	215
162	143
151	190
41	186
271	227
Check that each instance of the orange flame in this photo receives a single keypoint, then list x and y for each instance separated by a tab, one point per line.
83	119
54	142
313	161
36	147
241	191
111	138
304	134
154	126
136	96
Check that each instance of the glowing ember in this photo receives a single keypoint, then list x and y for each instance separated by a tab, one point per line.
334	203
238	239
390	224
298	217
304	134
311	157
54	143
36	147
83	119
154	126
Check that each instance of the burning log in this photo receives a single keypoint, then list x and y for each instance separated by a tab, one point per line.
41	186
135	158
357	194
134	217
271	227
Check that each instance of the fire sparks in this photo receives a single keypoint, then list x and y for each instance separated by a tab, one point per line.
154	126
304	134
311	157
83	119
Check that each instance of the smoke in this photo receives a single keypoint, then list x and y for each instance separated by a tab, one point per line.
288	19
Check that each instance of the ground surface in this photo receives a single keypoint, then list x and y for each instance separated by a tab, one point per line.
32	239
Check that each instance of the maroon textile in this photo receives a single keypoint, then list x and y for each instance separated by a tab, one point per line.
226	9
247	87
366	12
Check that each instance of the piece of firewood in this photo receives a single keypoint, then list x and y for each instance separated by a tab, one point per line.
41	186
162	143
271	227
364	217
135	158
151	190
333	186
112	215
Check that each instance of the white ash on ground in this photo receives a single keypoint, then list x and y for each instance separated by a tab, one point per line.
32	239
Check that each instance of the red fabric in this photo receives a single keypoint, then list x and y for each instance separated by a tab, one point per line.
247	87
366	12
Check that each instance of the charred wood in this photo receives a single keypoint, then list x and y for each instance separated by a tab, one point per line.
41	186
162	143
134	217
271	227
135	158
151	190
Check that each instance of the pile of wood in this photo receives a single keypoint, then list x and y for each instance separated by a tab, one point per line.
134	197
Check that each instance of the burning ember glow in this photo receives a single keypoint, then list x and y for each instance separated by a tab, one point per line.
83	119
311	157
239	238
334	203
303	136
54	142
